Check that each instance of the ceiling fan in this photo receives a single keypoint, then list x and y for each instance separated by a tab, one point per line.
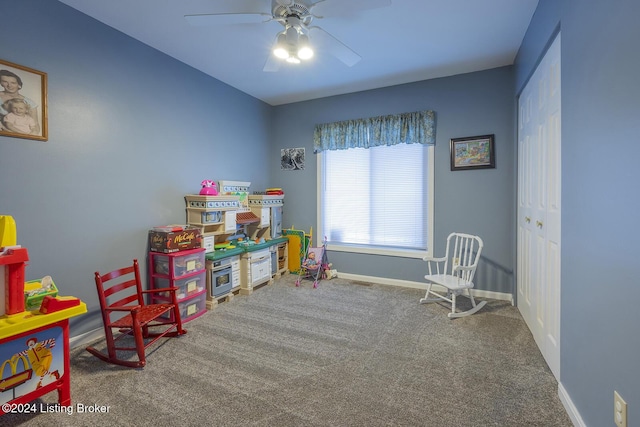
294	43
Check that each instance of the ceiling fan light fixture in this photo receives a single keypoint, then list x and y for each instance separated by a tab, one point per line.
281	53
281	50
292	44
304	48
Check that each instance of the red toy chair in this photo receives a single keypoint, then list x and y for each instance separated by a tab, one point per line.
117	298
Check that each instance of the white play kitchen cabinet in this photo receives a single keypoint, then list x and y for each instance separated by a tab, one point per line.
233	263
255	269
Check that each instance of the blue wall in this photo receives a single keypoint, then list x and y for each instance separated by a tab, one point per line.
131	131
600	342
479	202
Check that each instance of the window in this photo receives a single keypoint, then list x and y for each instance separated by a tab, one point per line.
377	200
376	183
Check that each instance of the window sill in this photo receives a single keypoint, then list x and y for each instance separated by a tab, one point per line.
402	253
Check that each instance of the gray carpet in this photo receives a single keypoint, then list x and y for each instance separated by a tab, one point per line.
345	354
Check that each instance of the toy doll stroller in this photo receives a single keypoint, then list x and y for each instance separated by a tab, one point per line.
314	264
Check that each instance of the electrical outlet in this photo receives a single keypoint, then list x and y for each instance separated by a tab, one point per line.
619	410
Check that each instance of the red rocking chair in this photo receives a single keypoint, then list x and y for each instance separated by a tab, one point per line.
124	300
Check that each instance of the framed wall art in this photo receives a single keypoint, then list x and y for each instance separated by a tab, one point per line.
23	102
473	152
292	159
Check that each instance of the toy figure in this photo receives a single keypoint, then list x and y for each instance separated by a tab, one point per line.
310	262
327	272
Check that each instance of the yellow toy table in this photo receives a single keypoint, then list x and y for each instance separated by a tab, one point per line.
34	346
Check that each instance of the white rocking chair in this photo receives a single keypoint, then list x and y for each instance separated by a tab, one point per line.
458	276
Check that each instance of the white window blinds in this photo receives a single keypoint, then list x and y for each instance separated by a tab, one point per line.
376	197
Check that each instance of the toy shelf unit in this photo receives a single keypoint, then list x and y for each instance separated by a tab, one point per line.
223	275
255	270
268	208
239	189
213	215
279	262
184	270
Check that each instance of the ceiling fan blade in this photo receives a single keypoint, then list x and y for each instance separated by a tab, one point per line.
227	18
334	46
273	64
231	11
325	8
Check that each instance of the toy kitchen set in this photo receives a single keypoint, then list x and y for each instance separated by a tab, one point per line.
241	235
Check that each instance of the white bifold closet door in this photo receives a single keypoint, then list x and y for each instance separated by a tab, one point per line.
539	185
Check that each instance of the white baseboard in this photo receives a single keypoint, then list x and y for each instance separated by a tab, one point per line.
422	285
86	338
571	409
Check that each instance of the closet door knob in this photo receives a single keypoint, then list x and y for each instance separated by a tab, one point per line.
539	224
527	219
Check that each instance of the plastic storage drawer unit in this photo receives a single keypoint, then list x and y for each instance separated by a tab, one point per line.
190	308
193	307
188	286
180	264
185	271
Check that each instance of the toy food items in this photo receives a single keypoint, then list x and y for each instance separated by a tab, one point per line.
36	290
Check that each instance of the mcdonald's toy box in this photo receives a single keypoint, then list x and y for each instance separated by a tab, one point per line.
173	238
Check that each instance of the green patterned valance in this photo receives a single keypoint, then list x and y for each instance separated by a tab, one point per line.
407	128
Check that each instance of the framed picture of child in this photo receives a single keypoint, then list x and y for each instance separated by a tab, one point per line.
23	102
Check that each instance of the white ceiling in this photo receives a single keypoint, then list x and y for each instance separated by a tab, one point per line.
410	40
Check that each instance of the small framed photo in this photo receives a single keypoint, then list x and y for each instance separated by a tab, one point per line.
23	102
292	159
473	152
